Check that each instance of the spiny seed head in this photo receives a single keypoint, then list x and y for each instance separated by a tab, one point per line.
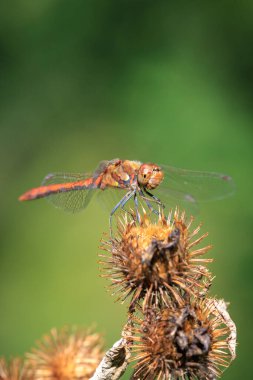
13	370
186	342
66	354
156	261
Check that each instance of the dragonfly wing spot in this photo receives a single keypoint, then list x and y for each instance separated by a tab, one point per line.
226	178
190	198
48	176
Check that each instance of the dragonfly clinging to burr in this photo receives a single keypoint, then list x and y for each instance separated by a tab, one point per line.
72	192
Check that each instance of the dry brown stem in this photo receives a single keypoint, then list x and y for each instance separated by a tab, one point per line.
114	363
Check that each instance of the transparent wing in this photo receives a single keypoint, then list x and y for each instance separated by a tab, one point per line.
195	186
69	201
54	178
109	197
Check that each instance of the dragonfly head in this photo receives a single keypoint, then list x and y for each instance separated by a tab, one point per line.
150	176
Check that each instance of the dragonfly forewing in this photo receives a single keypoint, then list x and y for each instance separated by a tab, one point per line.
196	186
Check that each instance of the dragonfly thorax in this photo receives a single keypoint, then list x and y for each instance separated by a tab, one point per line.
150	176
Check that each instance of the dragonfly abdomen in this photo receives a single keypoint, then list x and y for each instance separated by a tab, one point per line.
45	191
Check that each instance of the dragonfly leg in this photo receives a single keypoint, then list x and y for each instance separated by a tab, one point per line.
146	200
136	207
154	198
121	204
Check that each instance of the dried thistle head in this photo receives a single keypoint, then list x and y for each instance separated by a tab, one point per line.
188	342
65	355
14	370
156	261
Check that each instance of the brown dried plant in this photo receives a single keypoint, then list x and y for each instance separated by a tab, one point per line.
66	354
186	342
14	370
173	331
157	262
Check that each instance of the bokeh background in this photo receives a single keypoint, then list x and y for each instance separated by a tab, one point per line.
83	81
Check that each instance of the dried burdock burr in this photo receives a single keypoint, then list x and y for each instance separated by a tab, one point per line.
14	370
186	342
67	354
157	262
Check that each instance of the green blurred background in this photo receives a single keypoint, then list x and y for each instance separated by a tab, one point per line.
83	81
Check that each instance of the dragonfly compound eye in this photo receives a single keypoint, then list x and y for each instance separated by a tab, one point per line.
156	177
144	174
150	176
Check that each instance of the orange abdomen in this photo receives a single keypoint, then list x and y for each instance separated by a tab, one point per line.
44	191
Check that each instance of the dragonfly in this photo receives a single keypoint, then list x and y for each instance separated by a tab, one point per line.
73	192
